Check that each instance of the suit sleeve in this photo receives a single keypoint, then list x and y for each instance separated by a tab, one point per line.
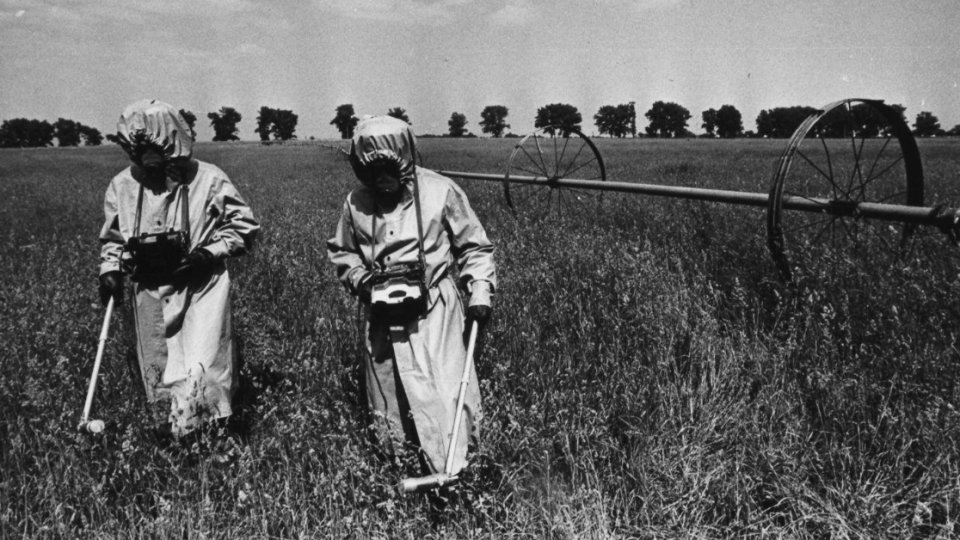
111	239
236	228
471	248
344	253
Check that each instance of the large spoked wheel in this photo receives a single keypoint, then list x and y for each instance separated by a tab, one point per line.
538	164
838	158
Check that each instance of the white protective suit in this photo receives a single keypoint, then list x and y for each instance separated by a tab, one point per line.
412	374
184	335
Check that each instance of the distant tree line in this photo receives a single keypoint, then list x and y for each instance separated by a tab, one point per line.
665	120
280	123
22	132
617	120
670	120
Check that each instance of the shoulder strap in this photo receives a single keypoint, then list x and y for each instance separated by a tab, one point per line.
185	210
416	205
373	239
183	200
136	219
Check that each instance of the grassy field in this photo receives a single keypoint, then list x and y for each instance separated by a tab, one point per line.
646	375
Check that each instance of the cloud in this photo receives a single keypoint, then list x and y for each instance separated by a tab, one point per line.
251	49
434	12
519	13
59	21
642	5
6	16
514	14
135	11
204	8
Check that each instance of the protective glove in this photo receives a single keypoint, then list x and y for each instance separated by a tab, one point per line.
479	313
111	285
481	294
366	290
195	262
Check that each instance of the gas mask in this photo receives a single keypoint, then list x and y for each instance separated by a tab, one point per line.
382	177
154	167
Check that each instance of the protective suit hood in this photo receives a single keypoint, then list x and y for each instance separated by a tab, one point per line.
380	138
152	123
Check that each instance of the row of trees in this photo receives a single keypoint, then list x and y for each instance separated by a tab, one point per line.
666	119
282	124
863	119
21	132
670	120
346	120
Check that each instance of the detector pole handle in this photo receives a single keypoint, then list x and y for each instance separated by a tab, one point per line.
96	363
464	381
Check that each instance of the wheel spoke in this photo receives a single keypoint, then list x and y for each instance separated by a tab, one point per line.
853	144
535	203
556	163
885	170
543	164
542	169
563	151
855	173
887	198
886	243
876	160
814	165
532	193
574	160
594	158
846	229
826	151
858	167
829	225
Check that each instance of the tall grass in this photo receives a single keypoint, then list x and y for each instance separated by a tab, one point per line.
646	375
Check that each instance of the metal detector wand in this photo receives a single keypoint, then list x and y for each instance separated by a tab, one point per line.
464	382
96	426
411	485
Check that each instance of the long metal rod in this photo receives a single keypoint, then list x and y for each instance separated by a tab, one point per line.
888	212
461	396
91	388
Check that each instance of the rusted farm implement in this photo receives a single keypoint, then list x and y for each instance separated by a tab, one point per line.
845	181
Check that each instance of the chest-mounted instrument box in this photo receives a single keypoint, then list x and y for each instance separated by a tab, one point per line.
398	293
156	256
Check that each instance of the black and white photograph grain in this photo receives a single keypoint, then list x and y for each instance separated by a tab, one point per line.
480	269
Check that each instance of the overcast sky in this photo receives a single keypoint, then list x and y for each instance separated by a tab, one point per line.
86	60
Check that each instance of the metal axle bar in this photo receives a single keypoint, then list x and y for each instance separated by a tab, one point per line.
942	217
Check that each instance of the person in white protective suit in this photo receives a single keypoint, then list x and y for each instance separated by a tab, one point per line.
170	222
405	218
